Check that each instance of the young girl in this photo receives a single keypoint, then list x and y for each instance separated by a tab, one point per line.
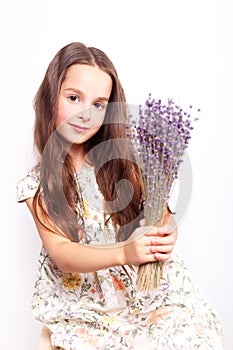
90	222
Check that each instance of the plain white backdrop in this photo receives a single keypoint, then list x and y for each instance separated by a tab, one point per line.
180	49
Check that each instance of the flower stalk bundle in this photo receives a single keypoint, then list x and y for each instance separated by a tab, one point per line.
160	138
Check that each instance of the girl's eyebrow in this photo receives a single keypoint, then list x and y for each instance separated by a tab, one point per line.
79	92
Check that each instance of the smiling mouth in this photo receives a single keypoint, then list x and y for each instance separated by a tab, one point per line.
78	128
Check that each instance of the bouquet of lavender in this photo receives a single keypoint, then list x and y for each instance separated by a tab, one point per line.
160	138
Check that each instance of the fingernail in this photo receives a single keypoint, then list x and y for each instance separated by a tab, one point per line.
163	229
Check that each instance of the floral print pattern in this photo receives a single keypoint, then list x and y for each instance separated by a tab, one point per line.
71	280
104	310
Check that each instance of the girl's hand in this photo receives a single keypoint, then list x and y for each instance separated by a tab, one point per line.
163	243
148	244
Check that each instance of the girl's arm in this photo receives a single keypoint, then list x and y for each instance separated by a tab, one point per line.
146	244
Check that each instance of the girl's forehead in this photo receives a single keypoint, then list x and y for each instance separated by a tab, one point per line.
88	77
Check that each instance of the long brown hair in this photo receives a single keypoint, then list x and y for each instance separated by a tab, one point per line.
58	186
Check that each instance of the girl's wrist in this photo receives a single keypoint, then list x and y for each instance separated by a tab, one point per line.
120	256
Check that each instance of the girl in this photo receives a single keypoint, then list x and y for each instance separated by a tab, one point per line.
85	198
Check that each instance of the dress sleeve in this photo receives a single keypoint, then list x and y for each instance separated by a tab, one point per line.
27	185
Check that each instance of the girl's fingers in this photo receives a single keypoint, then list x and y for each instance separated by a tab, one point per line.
158	249
164	249
159	231
151	231
162	257
166	230
166	240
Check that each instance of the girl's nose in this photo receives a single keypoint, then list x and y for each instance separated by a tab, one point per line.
84	115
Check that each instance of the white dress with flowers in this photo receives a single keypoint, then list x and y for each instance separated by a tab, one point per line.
104	310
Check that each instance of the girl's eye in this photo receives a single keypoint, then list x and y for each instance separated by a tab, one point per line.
74	98
99	106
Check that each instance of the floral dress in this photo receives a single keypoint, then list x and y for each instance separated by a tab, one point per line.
104	310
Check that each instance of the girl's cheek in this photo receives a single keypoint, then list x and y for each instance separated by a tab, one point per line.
98	117
63	114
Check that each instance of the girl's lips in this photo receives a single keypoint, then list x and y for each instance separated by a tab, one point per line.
78	128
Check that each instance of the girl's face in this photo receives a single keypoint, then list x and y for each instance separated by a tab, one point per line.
82	103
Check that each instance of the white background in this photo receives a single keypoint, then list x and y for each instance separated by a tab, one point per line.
172	48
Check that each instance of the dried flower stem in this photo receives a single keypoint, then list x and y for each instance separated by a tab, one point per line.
149	274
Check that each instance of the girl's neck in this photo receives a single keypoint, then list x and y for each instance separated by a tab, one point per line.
78	157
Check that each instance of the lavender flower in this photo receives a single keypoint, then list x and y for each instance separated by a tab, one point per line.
160	138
